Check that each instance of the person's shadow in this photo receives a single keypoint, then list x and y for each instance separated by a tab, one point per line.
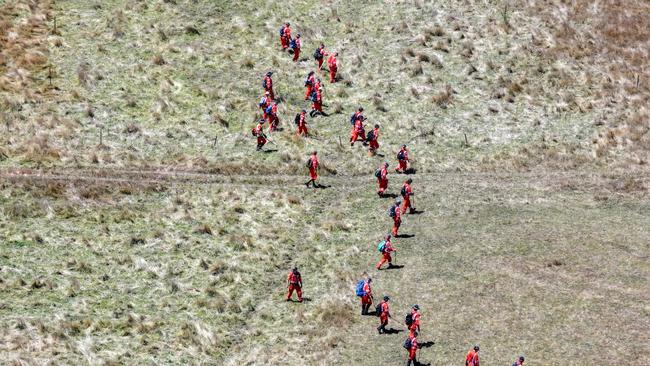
404	236
389	195
395	266
426	344
269	151
393	331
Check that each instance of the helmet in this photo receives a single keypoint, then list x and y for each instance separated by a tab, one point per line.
269	73
476	347
416	307
386	298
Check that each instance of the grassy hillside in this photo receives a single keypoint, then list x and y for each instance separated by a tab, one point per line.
139	225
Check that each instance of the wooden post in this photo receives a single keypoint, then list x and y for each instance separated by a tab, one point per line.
340	144
101	137
49	74
55	30
466	143
214	143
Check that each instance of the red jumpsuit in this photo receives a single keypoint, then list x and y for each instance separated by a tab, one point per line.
273	118
383	179
357	132
403	163
261	140
388	247
472	358
295	283
322	58
332	63
415	326
366	299
296	51
269	86
385	313
302	125
413	350
285	38
397	221
311	80
374	144
313	168
317	105
407	198
264	102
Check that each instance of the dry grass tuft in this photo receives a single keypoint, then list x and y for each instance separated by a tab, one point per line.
444	97
204	229
158	60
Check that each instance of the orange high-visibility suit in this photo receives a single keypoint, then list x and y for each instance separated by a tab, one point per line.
357	132
403	162
313	168
472	358
407	197
302	125
332	63
397	221
383	179
295	283
388	247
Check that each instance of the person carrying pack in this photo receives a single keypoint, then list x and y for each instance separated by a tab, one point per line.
317	102
520	361
357	115
394	212
319	55
472	357
358	132
301	121
384	313
295	45
294	283
382	179
412	320
411	345
373	140
385	248
309	84
312	164
264	103
364	291
259	133
407	193
267	84
402	160
285	35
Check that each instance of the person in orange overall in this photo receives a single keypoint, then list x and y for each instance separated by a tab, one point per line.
415	325
264	103
384	314
382	179
357	115
407	192
294	282
472	357
413	349
296	47
272	114
313	170
333	65
402	159
302	123
310	80
317	102
285	35
317	84
267	83
385	253
319	55
372	139
358	132
259	133
397	219
366	299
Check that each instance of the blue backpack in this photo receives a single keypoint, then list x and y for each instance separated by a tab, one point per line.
381	246
360	292
292	44
264	83
282	31
268	110
391	211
